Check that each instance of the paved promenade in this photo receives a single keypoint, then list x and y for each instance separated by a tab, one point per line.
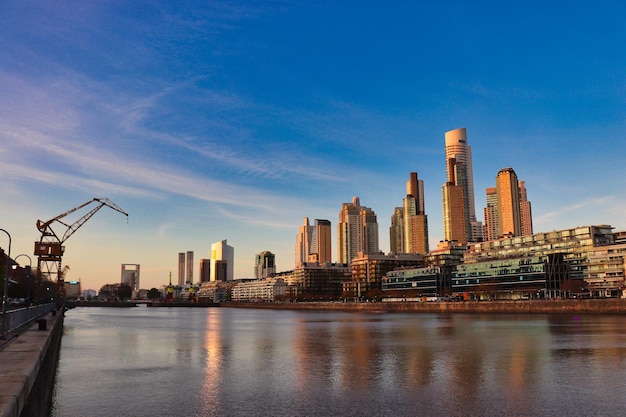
27	365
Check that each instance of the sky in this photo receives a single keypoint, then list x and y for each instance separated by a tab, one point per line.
234	120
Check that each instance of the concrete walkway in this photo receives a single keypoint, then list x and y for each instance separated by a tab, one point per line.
23	362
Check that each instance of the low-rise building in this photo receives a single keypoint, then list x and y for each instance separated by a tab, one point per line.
270	289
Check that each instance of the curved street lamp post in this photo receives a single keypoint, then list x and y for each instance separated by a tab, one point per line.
5	296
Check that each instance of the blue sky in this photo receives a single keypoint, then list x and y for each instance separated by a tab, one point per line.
234	120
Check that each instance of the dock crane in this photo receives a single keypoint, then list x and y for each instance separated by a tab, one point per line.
49	249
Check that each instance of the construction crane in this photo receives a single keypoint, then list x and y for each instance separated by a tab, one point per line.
49	249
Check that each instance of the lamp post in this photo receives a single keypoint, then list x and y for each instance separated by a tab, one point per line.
5	296
30	267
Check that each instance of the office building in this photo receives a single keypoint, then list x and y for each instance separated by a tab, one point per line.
313	243
205	270
526	213
491	214
181	268
222	261
357	231
264	265
414	216
396	231
509	217
459	173
189	266
130	276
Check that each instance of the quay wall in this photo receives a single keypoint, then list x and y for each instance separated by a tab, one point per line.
27	368
590	306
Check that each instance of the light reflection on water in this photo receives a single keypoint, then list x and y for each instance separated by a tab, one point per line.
240	362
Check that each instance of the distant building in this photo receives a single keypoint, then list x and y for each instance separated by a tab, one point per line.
264	265
313	243
181	268
205	270
222	261
189	271
130	276
72	290
508	211
414	217
313	281
357	231
270	289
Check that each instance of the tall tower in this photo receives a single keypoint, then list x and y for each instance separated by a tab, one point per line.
222	261
415	219
491	213
456	224
509	215
525	210
264	265
189	274
313	243
396	231
357	231
181	268
205	270
460	173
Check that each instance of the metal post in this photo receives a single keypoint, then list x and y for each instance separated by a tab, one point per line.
30	267
5	296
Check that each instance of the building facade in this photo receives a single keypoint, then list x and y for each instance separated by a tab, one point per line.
509	215
205	270
313	242
264	265
414	216
357	231
181	268
222	261
268	290
130	276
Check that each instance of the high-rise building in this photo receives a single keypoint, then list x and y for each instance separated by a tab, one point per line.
415	219
189	272
396	231
491	213
264	265
357	231
181	268
509	216
222	261
454	218
313	243
130	276
525	210
205	270
459	173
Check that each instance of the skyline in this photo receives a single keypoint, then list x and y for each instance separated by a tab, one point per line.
234	121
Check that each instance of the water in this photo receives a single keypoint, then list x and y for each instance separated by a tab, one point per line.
248	362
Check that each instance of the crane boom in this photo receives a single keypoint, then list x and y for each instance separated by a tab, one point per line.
50	249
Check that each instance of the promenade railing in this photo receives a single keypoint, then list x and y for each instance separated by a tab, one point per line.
13	321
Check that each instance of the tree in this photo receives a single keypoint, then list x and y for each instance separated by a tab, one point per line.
124	292
154	294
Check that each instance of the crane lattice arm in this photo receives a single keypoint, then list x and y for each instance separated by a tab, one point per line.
46	229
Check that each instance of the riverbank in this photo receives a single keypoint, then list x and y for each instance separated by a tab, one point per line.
592	306
28	368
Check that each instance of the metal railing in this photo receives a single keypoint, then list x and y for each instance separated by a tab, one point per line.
18	319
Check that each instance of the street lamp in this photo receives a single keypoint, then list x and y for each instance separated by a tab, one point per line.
30	267
5	297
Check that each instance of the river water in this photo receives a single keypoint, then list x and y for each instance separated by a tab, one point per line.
251	362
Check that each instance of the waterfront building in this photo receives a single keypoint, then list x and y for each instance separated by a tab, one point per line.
205	270
606	267
181	268
357	231
130	276
580	247
264	265
222	261
415	230
459	173
313	243
368	269
409	283
313	281
269	289
513	278
214	291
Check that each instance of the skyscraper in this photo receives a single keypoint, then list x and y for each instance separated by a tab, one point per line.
313	243
181	268
459	173
415	219
491	213
525	210
222	261
205	270
357	231
189	273
264	265
396	231
509	216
